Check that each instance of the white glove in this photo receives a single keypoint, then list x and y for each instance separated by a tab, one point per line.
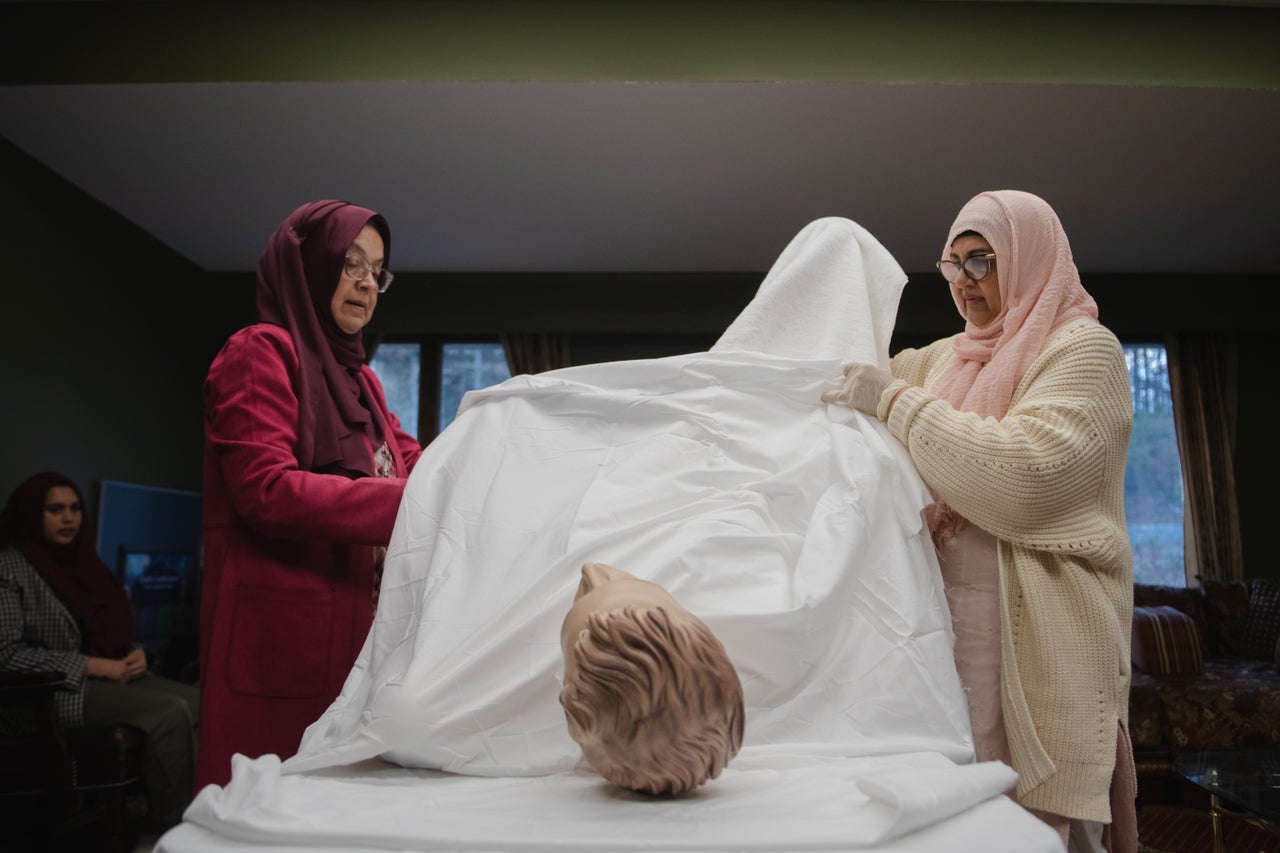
863	385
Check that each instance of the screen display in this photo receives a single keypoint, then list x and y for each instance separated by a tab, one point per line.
163	587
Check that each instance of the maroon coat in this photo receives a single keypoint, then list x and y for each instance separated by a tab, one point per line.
288	556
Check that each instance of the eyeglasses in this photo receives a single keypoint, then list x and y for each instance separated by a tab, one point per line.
357	268
975	266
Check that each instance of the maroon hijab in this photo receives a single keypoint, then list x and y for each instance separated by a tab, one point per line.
297	276
86	587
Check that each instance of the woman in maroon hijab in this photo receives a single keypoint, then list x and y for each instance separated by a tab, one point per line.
304	469
62	609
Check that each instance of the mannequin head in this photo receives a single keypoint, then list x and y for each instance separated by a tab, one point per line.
649	693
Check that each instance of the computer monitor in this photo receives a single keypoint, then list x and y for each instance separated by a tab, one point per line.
164	588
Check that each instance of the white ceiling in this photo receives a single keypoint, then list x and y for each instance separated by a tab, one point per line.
651	177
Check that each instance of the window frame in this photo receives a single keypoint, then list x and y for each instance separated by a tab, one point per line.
431	355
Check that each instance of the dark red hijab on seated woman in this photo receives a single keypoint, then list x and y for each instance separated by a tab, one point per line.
83	583
297	275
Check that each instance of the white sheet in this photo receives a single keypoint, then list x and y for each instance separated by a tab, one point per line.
760	803
832	293
792	528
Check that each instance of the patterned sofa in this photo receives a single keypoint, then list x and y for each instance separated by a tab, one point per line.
1205	669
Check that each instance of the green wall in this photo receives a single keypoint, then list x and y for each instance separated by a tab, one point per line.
899	41
104	349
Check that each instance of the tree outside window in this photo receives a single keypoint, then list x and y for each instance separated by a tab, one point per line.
1153	474
398	366
466	367
462	366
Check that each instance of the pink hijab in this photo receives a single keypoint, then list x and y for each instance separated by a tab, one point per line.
1040	290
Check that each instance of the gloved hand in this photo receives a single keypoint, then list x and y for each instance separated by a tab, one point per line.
863	385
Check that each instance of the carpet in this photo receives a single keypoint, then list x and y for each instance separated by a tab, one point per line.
1170	829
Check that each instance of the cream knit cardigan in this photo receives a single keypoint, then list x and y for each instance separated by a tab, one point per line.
1047	481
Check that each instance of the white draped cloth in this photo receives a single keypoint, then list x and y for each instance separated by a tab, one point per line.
792	528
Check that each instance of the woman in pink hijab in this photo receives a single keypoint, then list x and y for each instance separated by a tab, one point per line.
1020	427
304	469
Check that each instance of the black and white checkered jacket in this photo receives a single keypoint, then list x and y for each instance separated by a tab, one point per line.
37	634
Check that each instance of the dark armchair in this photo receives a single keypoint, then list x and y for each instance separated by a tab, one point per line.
64	789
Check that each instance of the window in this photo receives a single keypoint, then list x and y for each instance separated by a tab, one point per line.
464	367
399	367
1153	474
424	380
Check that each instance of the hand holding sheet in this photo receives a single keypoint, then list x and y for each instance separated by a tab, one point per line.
863	386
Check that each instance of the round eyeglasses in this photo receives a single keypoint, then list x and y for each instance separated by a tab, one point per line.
357	268
975	266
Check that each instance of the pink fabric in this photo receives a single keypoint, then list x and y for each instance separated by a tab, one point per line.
1121	835
1040	290
971	579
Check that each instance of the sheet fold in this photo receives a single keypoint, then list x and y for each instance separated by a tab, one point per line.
765	801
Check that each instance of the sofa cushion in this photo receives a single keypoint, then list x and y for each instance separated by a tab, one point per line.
1261	629
1190	600
1234	704
1166	641
1227	603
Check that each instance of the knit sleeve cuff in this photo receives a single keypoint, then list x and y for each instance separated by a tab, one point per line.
886	398
905	408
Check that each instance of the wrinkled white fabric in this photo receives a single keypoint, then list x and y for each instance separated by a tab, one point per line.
792	528
758	804
832	293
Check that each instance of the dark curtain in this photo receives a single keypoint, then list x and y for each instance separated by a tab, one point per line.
371	342
535	353
1203	383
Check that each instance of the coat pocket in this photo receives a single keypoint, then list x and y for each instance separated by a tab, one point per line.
280	643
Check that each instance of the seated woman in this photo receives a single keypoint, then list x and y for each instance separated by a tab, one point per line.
649	692
62	609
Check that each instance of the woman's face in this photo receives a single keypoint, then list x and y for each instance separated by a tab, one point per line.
353	301
605	588
62	515
980	299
